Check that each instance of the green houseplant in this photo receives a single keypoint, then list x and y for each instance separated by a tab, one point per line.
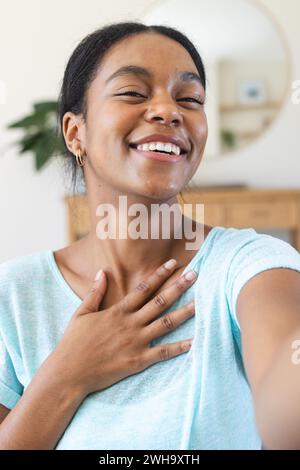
40	133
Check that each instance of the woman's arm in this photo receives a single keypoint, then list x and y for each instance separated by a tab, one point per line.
268	311
42	414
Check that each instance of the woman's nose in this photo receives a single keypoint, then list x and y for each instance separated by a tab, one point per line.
165	112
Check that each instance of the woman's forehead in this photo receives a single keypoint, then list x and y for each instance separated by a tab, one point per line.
148	50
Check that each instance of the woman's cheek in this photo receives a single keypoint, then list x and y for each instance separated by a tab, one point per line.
202	134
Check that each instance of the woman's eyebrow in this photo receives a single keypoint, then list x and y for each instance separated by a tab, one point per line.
185	76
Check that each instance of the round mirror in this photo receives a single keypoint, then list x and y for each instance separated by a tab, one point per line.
246	62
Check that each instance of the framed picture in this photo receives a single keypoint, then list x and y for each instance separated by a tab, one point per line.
252	92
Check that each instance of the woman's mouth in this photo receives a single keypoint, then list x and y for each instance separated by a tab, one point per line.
158	154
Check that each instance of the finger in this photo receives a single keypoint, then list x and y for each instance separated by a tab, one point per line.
95	295
168	322
146	287
166	297
164	352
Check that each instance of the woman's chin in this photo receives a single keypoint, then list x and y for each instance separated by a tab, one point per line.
159	192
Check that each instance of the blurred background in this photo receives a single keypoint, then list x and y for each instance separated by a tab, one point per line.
250	175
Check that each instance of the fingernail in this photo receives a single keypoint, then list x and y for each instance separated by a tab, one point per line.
190	275
188	344
99	274
170	264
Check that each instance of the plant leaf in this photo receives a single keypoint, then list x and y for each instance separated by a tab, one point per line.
40	133
37	120
43	149
45	107
28	141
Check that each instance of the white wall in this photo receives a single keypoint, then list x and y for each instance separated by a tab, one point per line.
36	39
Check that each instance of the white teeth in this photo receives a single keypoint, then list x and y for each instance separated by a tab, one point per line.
168	148
160	146
176	149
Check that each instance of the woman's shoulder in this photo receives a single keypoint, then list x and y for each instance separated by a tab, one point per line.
230	246
248	239
235	237
220	238
22	269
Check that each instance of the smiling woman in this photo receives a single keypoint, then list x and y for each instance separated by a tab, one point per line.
147	353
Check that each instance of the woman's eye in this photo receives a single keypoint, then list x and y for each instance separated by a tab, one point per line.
192	99
130	93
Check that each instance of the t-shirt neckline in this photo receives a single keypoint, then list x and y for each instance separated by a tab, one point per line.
75	298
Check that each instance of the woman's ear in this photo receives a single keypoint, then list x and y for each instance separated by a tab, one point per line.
72	127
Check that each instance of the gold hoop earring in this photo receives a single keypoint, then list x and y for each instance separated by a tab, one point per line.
79	158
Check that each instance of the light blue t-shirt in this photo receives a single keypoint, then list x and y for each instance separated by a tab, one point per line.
198	400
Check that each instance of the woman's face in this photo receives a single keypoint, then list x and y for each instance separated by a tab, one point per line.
162	104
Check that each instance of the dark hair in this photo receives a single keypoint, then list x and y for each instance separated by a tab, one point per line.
83	64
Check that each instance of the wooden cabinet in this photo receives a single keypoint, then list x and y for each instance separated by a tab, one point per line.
258	208
262	215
